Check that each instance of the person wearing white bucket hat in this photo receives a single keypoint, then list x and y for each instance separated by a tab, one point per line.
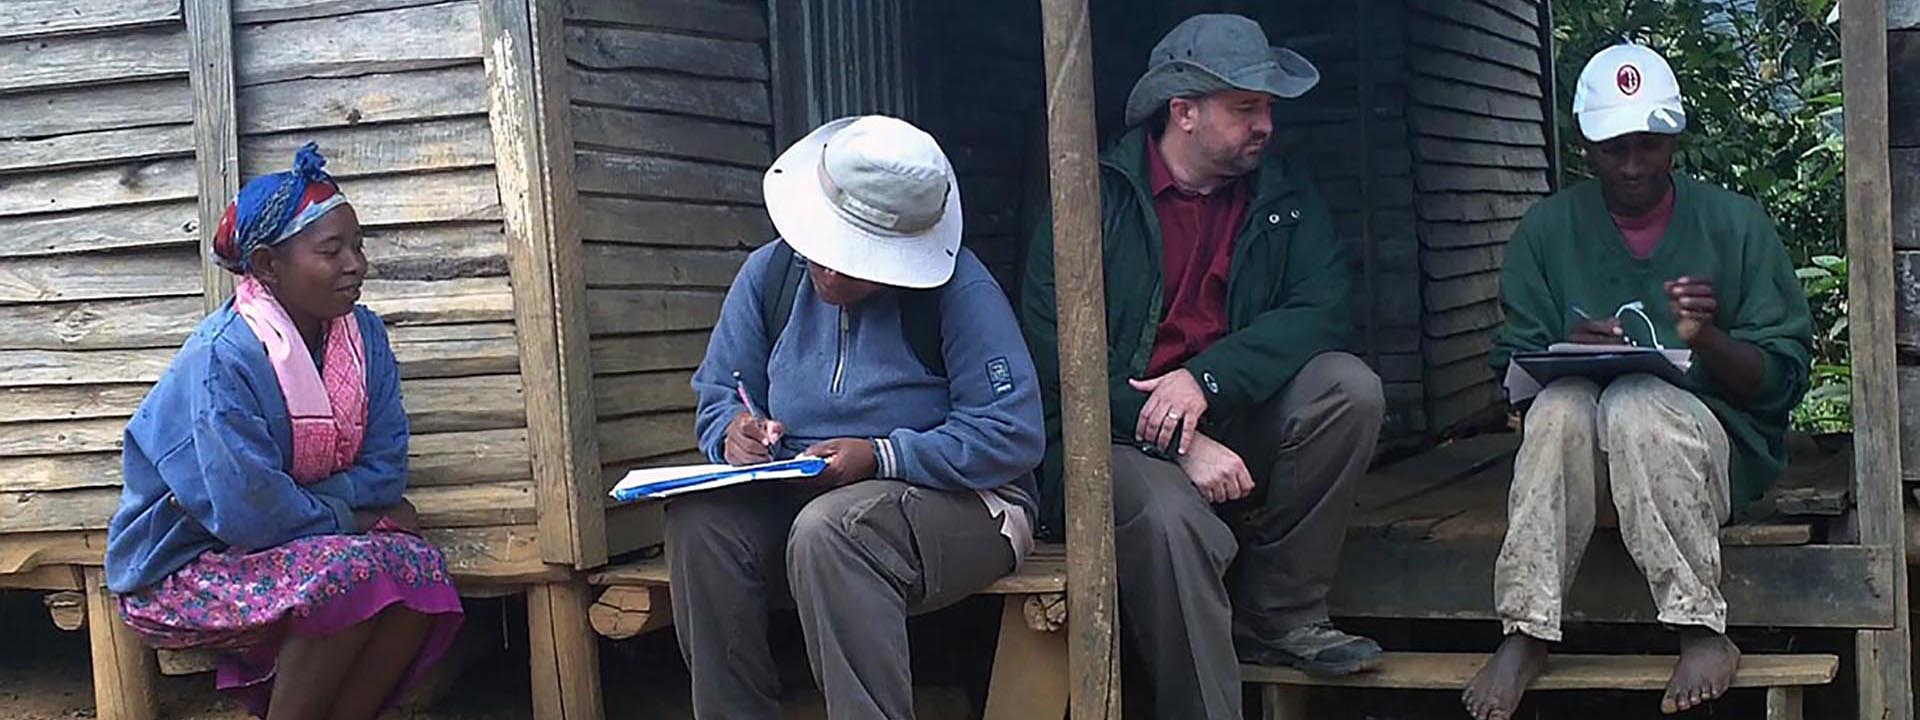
1701	269
838	331
1234	402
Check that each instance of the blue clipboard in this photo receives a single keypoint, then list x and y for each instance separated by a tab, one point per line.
656	483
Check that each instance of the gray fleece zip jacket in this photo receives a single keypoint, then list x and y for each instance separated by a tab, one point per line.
850	372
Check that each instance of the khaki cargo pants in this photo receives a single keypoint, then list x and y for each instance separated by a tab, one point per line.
1661	456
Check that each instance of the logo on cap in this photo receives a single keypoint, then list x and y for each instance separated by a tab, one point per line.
1628	78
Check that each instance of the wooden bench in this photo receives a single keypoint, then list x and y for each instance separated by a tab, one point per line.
486	561
1029	663
1283	691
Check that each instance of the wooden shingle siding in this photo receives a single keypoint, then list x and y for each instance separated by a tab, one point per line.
403	39
672	129
1479	144
1357	153
100	270
30	18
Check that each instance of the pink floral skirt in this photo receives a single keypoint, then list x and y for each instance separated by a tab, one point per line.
245	605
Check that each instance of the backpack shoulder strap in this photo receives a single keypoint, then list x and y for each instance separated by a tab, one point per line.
920	322
778	287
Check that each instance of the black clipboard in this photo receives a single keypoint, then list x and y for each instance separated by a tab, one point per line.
1600	366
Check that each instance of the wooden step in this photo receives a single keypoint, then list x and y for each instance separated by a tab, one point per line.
1045	571
1452	671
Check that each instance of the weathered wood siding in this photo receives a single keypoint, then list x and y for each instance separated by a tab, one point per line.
672	130
1480	156
98	231
983	94
1351	131
99	266
1903	97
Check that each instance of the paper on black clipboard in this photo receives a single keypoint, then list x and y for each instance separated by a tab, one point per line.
1521	386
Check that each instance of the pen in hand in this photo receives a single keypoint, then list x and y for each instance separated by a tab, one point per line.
740	386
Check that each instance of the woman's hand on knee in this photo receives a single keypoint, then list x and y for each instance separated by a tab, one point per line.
400	517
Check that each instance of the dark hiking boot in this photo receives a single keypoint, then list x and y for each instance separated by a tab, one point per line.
1317	649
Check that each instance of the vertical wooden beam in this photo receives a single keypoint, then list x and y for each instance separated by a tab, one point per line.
1786	703
1283	702
216	139
1079	284
1029	680
1883	656
566	655
792	88
123	667
527	107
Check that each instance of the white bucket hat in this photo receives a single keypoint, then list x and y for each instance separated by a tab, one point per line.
869	197
1628	89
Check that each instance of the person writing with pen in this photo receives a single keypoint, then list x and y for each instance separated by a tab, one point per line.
868	337
1689	266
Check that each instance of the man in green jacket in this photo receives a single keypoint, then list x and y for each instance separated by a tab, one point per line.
1690	266
1226	328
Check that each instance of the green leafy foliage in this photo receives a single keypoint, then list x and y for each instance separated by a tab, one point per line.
1762	86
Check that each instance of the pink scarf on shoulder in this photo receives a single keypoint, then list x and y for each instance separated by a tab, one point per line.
328	408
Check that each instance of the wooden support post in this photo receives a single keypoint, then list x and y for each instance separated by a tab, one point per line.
566	654
1029	668
1883	656
527	106
123	666
1079	285
216	138
1283	702
1786	703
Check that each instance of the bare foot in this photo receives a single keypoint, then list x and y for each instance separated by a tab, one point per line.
1495	691
1705	670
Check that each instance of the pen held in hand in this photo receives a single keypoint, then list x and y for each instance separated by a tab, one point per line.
740	387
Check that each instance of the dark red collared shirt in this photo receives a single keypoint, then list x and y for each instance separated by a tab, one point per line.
1196	238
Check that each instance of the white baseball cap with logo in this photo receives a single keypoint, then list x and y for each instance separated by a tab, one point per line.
1628	89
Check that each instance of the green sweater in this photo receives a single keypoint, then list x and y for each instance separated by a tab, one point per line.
1286	300
1567	252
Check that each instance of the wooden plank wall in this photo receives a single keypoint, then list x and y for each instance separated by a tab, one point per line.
1366	178
1480	160
672	131
983	96
1903	134
99	262
97	224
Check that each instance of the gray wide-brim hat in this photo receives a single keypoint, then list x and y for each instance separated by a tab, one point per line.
1210	53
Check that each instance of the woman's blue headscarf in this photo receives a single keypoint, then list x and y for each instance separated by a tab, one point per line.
275	207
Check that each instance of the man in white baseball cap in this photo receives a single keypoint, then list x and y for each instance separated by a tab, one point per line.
1690	266
830	344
